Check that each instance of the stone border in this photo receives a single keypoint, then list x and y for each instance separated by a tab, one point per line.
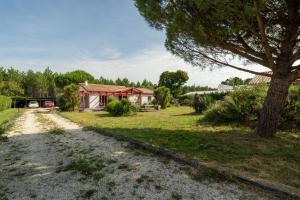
277	189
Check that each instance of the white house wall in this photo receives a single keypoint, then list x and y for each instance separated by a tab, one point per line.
94	101
145	99
133	98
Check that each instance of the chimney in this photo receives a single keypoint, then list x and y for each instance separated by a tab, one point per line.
86	83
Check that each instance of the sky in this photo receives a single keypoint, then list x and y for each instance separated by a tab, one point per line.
106	38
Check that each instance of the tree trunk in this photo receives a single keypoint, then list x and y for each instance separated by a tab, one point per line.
273	105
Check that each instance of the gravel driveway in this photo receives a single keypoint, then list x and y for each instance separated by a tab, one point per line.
49	157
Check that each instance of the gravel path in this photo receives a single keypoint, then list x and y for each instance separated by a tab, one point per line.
49	157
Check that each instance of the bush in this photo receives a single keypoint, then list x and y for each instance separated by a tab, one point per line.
291	113
245	104
162	96
120	108
5	102
242	105
69	100
201	103
186	100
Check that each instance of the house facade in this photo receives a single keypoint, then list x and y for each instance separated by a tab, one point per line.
95	96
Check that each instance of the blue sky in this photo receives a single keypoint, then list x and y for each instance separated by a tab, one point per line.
103	37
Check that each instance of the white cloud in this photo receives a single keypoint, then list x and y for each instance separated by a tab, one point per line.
149	64
110	53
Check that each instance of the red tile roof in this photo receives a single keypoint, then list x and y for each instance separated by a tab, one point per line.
145	90
102	88
260	79
111	88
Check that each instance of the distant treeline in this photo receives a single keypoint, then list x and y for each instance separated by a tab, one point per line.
31	84
48	83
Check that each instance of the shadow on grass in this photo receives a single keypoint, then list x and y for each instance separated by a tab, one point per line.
230	148
104	115
188	114
219	145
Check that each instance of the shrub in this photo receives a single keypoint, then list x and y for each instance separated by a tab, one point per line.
163	96
120	108
189	100
5	102
242	105
186	100
69	100
291	113
201	103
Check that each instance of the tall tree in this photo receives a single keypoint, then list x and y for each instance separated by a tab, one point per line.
208	33
174	81
31	83
11	88
235	81
75	77
163	96
48	80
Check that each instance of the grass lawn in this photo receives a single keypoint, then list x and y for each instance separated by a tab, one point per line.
178	129
6	116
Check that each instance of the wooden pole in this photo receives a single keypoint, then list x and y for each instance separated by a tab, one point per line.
140	99
106	99
100	105
83	103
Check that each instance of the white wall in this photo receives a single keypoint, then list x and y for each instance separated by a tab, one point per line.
145	99
94	101
135	99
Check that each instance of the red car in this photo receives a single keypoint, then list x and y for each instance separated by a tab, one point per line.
48	104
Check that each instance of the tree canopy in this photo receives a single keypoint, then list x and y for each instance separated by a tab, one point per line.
211	33
173	80
74	77
205	33
234	81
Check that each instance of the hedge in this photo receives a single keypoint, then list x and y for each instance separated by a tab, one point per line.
120	108
5	102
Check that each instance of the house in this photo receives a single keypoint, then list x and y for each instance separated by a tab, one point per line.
95	96
225	88
221	88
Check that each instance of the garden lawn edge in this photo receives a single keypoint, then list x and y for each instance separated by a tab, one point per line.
276	188
4	127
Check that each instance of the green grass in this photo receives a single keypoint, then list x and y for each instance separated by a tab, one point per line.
8	115
85	166
231	146
7	118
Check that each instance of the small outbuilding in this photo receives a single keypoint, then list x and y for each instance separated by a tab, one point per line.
95	96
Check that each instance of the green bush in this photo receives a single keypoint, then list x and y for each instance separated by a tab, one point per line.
163	96
5	102
291	113
242	105
201	103
69	100
189	100
120	108
186	100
